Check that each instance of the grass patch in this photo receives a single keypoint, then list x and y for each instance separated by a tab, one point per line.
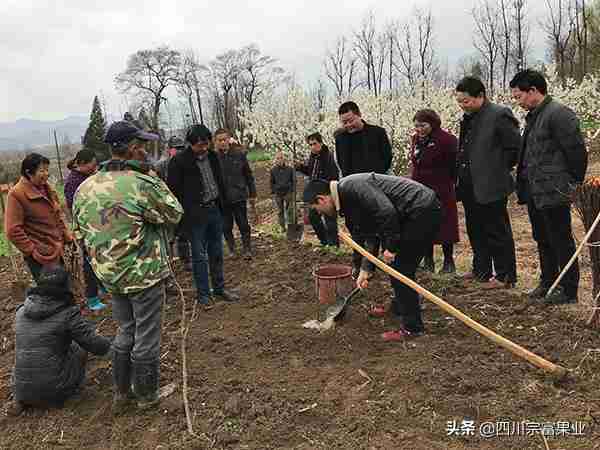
258	155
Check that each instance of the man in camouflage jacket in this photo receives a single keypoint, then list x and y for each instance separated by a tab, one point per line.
125	219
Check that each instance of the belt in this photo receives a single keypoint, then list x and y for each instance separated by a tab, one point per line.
211	204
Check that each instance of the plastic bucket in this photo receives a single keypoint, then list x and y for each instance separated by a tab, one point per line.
332	281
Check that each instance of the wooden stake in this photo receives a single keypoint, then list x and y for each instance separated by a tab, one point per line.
532	358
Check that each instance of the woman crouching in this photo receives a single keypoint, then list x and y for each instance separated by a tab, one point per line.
51	343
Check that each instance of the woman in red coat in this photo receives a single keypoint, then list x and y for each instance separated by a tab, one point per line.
433	158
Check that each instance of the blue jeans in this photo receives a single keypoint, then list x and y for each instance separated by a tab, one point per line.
207	253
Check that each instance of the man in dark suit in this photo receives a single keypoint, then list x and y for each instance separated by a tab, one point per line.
488	147
361	148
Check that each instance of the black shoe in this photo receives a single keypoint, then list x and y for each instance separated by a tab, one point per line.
448	267
227	296
559	297
538	293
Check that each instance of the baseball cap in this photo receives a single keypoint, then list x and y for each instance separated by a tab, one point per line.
176	142
123	132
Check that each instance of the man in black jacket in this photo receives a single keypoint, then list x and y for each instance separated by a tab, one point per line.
239	187
552	160
361	148
321	166
196	179
406	216
282	188
488	147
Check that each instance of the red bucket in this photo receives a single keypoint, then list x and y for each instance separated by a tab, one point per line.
332	281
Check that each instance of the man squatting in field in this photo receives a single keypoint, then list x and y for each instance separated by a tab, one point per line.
404	214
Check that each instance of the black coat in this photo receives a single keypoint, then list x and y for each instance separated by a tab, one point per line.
186	183
282	179
380	204
237	176
491	147
47	363
553	157
368	150
320	166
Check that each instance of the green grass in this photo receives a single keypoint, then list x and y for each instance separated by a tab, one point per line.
258	155
6	248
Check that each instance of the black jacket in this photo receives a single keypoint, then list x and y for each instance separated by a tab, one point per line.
381	204
237	176
282	180
368	150
185	181
553	156
45	327
320	166
490	147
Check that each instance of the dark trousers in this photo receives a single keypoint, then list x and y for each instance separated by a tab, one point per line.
237	212
325	227
91	281
417	236
207	252
491	238
551	228
284	208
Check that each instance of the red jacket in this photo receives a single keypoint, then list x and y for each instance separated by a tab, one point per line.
34	222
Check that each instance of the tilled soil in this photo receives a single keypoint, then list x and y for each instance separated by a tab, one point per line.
258	380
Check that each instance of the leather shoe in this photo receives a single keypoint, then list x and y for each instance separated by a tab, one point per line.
227	296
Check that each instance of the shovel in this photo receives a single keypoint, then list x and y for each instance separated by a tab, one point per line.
333	314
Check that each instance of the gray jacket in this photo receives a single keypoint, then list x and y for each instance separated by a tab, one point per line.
380	204
553	157
237	175
46	364
491	148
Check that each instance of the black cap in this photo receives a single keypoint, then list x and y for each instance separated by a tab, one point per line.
314	188
124	132
176	142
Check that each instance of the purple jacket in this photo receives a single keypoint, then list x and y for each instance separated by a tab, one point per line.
74	179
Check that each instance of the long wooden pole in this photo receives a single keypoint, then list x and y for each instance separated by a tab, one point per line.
534	359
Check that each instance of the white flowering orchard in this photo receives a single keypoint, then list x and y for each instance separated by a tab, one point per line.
283	120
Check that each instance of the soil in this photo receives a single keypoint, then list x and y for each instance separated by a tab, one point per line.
258	380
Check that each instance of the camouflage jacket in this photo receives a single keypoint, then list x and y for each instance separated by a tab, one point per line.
124	219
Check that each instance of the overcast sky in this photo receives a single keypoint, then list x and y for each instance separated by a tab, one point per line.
56	55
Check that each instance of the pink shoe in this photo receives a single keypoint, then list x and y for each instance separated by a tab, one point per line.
377	311
399	335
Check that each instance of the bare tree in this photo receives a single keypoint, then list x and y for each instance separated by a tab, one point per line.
486	39
318	95
558	27
340	64
505	33
370	49
415	47
520	32
150	72
580	19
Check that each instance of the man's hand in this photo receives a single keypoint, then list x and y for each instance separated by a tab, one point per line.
69	237
252	201
362	282
388	257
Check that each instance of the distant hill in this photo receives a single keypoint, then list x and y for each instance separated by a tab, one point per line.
25	133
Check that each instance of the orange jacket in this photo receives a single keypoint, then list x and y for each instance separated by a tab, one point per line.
34	223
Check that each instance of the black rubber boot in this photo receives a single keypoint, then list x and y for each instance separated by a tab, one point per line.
121	370
146	376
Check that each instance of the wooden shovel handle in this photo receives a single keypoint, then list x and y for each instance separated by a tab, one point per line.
534	359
